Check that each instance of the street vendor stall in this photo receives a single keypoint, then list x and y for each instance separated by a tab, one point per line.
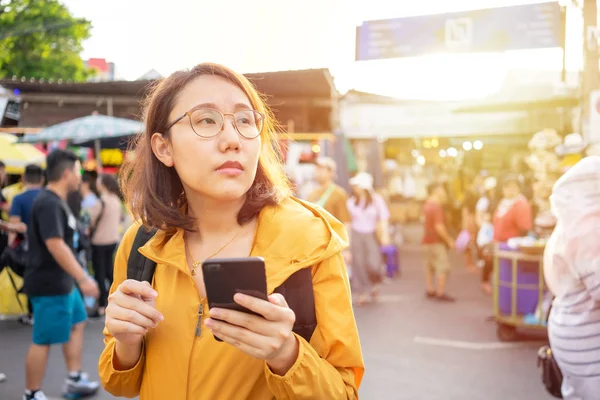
520	296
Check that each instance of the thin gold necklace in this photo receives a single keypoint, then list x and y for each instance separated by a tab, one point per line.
196	264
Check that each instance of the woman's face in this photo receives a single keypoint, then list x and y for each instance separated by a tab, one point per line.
510	190
198	161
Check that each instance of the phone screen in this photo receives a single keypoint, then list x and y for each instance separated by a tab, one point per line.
223	278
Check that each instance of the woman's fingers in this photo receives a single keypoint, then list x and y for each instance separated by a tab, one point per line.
132	316
251	322
276	309
246	348
115	325
131	302
240	337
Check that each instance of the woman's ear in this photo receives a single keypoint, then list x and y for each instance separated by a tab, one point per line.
161	147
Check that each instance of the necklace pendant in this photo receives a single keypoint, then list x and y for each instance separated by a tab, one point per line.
193	272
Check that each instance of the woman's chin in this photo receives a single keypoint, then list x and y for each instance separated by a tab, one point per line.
228	194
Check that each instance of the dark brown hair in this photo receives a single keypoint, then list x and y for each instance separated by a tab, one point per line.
154	193
110	183
369	199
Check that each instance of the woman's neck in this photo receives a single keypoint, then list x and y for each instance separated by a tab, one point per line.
215	216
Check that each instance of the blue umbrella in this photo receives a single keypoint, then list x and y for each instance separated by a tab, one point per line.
86	129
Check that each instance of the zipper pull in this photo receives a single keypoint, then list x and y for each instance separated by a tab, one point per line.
199	323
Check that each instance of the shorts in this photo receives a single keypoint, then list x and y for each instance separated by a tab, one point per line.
437	258
55	316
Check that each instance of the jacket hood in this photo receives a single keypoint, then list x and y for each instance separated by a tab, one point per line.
289	236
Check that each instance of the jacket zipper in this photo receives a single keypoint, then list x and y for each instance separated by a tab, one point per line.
199	322
197	334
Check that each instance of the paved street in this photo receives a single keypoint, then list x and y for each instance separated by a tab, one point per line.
414	348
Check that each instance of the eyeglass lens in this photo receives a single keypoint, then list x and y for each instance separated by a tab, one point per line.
208	123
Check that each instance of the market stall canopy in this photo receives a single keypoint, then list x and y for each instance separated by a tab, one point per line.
18	155
86	129
524	105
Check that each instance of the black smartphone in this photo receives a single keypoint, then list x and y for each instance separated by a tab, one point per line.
225	277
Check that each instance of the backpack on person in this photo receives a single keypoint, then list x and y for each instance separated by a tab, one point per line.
297	289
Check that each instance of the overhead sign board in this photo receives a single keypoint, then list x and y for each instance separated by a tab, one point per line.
530	26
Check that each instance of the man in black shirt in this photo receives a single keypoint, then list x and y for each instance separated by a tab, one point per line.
52	270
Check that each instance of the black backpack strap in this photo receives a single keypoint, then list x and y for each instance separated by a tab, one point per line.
299	294
139	267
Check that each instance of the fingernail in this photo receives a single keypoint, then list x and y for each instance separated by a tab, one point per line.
215	313
161	317
239	296
154	293
208	322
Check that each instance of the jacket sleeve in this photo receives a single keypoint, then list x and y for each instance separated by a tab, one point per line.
124	383
331	365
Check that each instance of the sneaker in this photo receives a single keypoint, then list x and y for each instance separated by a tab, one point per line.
81	387
2	377
429	295
39	395
26	320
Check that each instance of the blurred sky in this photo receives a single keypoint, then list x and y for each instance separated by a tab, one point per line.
270	35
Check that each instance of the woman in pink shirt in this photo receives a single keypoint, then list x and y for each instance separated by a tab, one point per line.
106	217
368	210
513	215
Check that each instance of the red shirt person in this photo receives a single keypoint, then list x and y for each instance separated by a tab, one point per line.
437	241
513	216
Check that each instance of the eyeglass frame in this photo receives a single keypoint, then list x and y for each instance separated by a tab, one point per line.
223	115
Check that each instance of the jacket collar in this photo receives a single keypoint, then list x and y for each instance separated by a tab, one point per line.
289	236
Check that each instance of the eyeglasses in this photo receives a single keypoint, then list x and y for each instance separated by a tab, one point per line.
208	123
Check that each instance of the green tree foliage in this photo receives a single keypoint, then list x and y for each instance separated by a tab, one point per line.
41	39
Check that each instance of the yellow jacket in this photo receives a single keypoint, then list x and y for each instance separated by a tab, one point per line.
175	364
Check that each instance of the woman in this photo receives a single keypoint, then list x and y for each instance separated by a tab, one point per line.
484	210
104	234
207	175
512	217
572	272
369	215
469	220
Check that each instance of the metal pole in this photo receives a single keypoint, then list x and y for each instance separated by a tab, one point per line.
563	44
591	75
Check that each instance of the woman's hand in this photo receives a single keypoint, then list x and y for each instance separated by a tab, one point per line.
269	338
131	312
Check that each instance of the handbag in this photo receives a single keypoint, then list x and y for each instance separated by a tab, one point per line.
550	372
15	258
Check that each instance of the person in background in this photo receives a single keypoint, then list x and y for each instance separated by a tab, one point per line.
89	191
4	207
484	214
469	218
3	239
106	216
20	209
512	217
438	241
572	273
50	277
330	196
370	215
